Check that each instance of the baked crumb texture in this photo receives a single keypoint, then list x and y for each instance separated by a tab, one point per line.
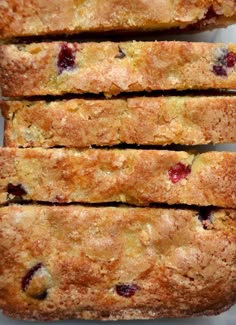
111	68
115	262
143	120
137	177
103	260
34	17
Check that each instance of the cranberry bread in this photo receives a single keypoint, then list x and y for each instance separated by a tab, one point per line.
42	17
116	262
57	68
138	177
144	121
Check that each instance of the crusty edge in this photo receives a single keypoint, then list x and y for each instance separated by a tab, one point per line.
5	108
129	171
32	70
123	314
11	24
134	120
214	293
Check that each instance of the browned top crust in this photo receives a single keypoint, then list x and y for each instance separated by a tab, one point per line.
115	263
141	120
43	17
139	177
57	68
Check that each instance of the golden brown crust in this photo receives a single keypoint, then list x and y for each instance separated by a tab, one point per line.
138	177
141	120
34	17
178	268
112	68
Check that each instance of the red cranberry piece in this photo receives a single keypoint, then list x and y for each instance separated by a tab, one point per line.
121	54
178	172
204	215
29	275
17	190
207	19
126	290
230	59
226	60
66	58
210	14
36	282
219	70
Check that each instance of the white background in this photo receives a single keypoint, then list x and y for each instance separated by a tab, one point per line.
228	318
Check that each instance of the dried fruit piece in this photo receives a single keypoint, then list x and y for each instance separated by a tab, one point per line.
230	59
29	275
178	172
126	290
16	190
204	215
210	14
66	58
121	54
219	70
208	19
226	61
36	282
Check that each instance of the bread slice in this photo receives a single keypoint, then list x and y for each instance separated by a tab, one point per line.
115	263
138	177
57	68
32	17
141	120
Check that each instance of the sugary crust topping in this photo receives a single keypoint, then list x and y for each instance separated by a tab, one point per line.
116	262
141	120
82	255
28	70
135	176
34	17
